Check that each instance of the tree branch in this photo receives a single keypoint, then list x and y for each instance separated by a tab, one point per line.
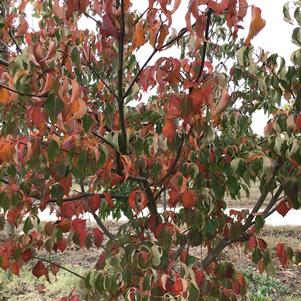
208	21
102	226
21	92
120	98
86	195
61	267
19	50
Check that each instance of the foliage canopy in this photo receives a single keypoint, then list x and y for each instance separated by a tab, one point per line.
79	134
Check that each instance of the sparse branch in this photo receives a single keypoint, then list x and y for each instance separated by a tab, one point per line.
102	226
120	97
86	195
127	93
105	140
208	21
19	50
171	170
21	92
212	255
141	16
100	78
61	267
274	199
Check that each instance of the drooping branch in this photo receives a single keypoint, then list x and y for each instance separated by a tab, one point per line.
120	97
21	92
61	267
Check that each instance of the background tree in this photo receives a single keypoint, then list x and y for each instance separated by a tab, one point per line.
67	116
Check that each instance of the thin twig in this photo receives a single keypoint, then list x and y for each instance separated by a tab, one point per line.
61	267
19	50
21	92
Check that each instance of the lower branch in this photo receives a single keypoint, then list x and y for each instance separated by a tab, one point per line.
61	267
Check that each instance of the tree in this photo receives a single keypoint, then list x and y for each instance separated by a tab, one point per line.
67	117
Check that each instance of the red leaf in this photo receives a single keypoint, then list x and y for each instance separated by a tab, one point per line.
188	198
15	268
107	27
212	156
262	244
109	200
39	269
66	183
54	269
127	165
252	242
137	200
169	129
180	286
281	253
79	226
61	244
27	255
283	207
199	276
174	197
94	202
98	237
138	39
257	24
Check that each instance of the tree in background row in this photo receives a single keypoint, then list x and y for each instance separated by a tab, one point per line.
74	110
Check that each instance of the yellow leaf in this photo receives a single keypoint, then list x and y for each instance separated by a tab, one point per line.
139	38
76	110
257	24
4	96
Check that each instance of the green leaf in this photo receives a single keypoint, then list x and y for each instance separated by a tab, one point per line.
256	256
87	122
75	56
296	36
286	13
27	225
52	150
157	254
57	191
297	15
259	223
53	106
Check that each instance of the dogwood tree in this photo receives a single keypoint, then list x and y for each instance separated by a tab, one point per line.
80	134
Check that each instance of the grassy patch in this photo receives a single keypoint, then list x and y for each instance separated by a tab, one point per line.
28	288
263	287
